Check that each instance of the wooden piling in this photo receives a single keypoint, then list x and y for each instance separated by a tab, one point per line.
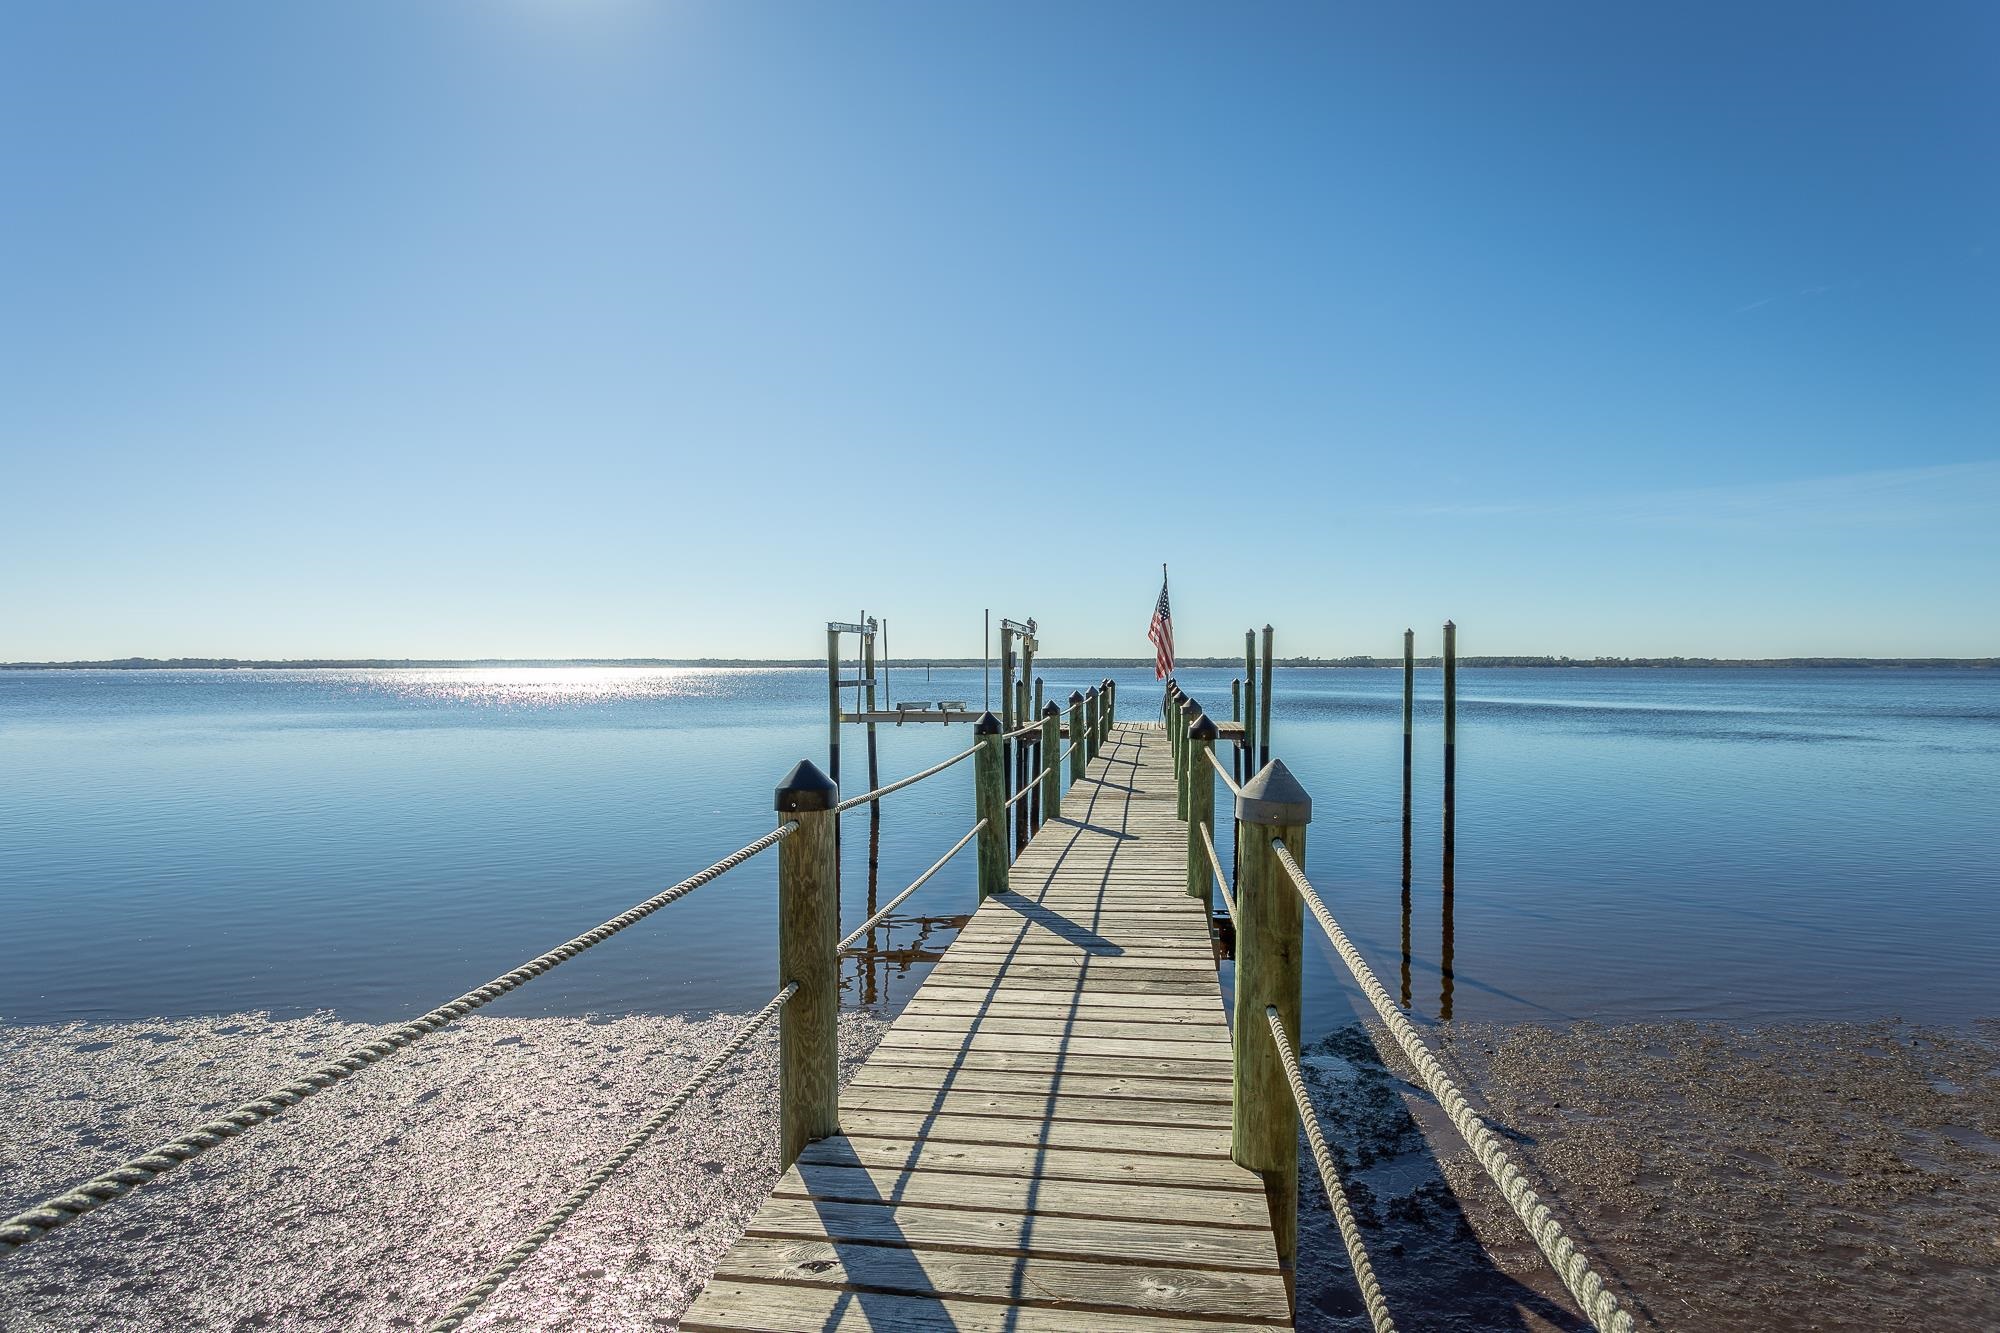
1409	715
1249	698
1201	810
1051	790
1450	748
1189	711
1270	922
868	674
989	783
1007	719
1093	702
1023	774
1076	756
1236	715
833	705
1044	758
808	933
1264	703
1109	713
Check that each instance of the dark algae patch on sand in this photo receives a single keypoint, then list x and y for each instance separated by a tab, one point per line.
1826	1176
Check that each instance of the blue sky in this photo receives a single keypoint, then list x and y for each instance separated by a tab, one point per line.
594	327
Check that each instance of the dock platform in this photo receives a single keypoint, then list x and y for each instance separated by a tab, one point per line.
1042	1139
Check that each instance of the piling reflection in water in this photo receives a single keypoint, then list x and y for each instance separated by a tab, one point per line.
870	967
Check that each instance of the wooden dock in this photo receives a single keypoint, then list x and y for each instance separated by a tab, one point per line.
1042	1139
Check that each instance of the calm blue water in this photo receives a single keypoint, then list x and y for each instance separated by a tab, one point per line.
1630	844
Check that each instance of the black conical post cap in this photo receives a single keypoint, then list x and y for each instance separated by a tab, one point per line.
1090	693
1189	707
1076	696
1052	709
986	725
1202	729
1274	797
806	788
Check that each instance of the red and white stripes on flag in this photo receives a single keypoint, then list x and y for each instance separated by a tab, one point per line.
1161	632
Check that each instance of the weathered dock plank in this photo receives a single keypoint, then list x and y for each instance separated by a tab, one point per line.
1041	1141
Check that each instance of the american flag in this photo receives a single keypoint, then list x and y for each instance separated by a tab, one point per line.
1161	632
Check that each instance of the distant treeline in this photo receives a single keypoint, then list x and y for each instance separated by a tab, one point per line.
352	663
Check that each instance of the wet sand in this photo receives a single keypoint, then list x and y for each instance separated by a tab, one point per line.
1826	1177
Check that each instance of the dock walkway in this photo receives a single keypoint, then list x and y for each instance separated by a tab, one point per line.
1042	1139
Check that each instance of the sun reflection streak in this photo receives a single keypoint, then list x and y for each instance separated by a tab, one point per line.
547	687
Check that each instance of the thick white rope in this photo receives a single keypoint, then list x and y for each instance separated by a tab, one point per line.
918	883
129	1175
900	783
534	1240
1596	1299
1215	864
1329	1178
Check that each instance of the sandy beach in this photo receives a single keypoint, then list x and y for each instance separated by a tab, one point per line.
1829	1176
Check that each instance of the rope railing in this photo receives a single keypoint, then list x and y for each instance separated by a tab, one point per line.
916	884
1329	1179
1571	1265
129	1175
865	797
1234	788
469	1304
1027	729
1215	864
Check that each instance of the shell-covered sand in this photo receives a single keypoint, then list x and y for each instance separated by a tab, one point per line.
378	1202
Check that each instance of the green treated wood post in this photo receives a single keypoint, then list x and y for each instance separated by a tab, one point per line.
1189	711
808	933
1250	698
1110	711
1270	919
990	800
1409	716
1201	811
1007	719
1093	709
868	674
1077	758
1450	750
1236	715
1024	773
833	704
1045	758
1264	704
1052	747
